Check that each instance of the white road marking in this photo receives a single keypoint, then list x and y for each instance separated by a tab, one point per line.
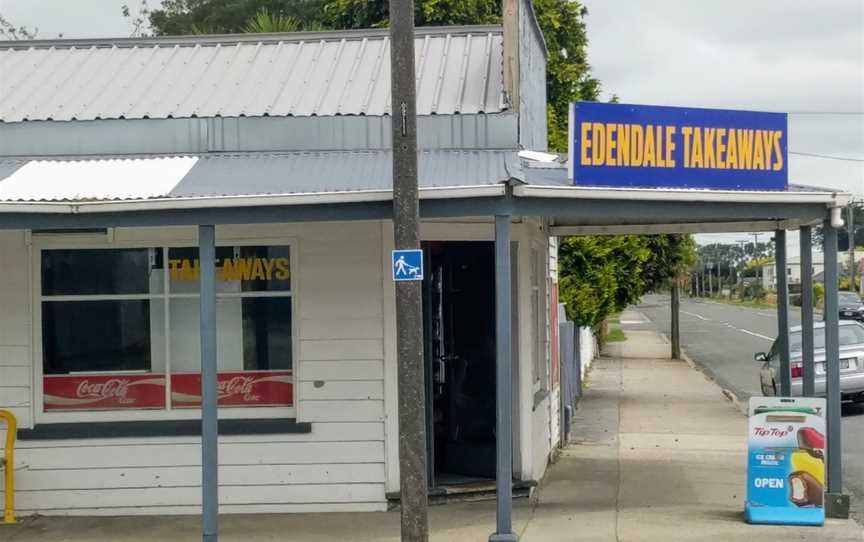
699	316
730	325
747	331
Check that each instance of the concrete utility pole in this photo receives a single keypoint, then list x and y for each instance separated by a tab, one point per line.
710	282
741	265
676	325
756	256
409	301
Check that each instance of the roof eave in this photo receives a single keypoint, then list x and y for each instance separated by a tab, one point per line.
269	37
830	199
221	202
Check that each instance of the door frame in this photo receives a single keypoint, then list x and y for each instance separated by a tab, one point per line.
452	231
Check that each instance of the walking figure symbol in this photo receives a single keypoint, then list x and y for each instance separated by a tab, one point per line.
405	270
407	264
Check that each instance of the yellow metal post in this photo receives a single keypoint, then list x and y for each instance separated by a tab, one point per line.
9	466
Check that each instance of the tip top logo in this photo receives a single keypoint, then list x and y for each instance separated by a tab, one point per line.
772	432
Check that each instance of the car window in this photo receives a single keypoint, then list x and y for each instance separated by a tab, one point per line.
850	334
775	350
848	298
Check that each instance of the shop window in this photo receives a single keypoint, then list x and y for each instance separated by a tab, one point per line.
120	328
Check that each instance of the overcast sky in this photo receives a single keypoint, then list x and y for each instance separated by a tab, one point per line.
801	56
798	56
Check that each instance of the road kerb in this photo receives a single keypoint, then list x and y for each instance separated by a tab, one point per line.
729	394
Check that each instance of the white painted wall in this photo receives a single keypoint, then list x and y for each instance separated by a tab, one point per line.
542	423
344	306
555	391
588	349
339	466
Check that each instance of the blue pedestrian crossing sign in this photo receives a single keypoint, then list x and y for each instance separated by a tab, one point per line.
407	265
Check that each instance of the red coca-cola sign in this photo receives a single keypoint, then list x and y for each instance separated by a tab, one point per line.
103	392
257	388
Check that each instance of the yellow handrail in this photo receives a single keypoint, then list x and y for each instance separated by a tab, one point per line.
9	466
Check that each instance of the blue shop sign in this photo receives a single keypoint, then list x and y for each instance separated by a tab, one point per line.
623	145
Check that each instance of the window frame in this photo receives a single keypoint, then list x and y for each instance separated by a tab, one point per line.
538	273
40	244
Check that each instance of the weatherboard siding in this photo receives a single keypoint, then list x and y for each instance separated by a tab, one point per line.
339	388
15	328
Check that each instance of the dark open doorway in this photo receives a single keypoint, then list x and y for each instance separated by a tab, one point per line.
459	304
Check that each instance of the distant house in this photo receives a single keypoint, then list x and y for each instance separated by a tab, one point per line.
793	268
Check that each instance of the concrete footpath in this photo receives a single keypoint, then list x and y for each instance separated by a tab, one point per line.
659	455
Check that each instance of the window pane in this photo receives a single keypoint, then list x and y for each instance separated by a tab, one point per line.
851	335
185	338
102	271
266	333
253	334
263	269
253	352
239	269
184	270
99	355
95	336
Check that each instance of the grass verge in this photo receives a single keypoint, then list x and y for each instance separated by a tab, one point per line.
615	335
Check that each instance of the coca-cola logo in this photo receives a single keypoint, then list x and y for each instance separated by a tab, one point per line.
114	388
771	432
238	385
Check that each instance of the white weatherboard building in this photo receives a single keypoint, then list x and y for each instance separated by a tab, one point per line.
99	346
115	154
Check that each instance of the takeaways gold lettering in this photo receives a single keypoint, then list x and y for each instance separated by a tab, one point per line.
233	269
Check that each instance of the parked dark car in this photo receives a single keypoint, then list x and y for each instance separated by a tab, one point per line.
850	306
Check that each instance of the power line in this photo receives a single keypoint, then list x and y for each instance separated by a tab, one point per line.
825	112
827	156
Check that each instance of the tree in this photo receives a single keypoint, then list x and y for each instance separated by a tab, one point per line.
138	19
182	17
601	275
265	21
9	31
568	76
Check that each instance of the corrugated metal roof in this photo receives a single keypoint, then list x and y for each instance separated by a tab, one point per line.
459	70
257	174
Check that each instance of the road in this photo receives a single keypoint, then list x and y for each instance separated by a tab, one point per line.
723	338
